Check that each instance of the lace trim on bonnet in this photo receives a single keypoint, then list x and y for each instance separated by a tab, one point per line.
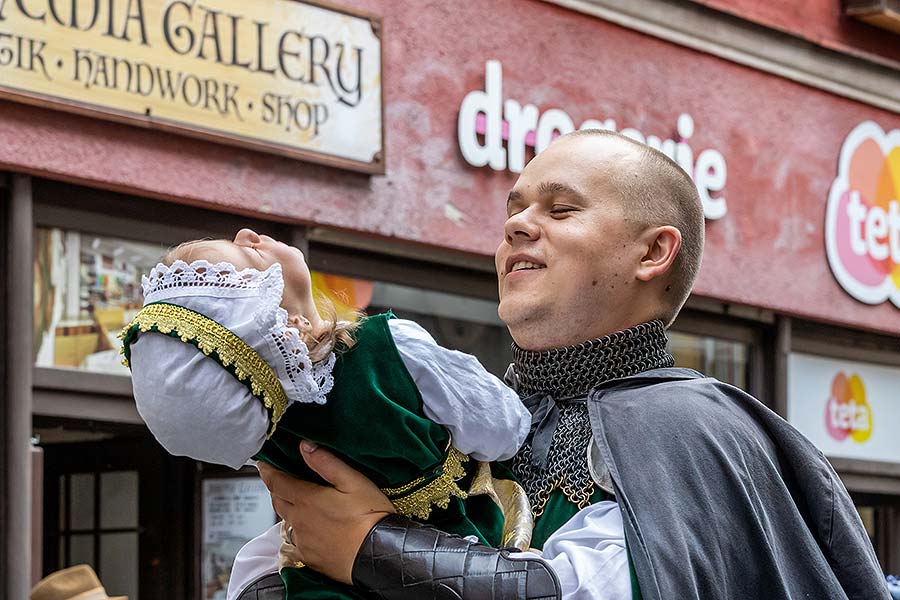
311	382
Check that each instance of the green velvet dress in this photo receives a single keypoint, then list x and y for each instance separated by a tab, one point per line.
374	420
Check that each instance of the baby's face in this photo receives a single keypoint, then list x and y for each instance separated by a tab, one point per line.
252	250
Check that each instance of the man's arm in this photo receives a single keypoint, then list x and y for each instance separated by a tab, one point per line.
350	533
404	560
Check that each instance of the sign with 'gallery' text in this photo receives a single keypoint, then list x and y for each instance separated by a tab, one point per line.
500	133
281	76
862	229
848	409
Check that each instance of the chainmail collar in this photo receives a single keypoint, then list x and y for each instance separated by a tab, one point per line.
553	385
576	370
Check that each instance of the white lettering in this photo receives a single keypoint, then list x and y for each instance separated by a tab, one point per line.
841	414
522	119
667	147
876	229
860	417
684	156
552	121
848	416
873	231
710	176
634	134
894	228
485	112
490	104
856	212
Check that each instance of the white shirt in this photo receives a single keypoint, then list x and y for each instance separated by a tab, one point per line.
258	557
487	421
485	418
588	555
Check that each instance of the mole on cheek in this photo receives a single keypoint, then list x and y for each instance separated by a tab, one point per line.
594	282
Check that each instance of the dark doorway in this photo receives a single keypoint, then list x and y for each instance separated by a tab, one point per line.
881	516
122	506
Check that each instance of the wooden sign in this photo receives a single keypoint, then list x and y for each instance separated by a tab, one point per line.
282	76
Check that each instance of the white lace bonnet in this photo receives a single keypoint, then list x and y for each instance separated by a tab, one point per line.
214	386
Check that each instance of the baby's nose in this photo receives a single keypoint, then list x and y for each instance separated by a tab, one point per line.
246	236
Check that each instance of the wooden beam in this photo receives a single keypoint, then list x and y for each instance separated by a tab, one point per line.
880	13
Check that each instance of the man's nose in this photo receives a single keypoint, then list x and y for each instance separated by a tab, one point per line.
247	236
521	226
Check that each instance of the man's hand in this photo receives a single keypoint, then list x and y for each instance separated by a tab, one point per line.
329	522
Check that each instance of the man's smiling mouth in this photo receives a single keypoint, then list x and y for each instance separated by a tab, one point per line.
523	262
524	265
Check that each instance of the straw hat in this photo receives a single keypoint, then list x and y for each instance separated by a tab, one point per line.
75	583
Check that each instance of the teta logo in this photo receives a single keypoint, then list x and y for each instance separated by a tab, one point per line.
847	412
862	227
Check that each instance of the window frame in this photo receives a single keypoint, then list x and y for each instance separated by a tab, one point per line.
60	391
755	334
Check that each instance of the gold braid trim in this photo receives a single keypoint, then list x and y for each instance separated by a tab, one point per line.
418	503
211	337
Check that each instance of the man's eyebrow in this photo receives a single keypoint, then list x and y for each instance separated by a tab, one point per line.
514	196
554	188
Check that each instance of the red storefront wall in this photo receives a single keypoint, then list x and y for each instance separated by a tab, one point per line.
819	21
781	141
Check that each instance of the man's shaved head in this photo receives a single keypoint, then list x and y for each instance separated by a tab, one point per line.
655	190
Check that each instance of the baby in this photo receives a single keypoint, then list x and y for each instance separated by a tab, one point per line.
231	361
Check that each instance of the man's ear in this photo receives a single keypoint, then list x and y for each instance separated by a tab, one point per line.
663	244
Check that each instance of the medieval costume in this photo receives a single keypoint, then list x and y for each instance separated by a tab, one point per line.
716	495
220	376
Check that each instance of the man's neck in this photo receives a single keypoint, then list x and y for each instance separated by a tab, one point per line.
576	369
557	334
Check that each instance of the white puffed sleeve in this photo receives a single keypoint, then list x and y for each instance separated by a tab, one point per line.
485	417
256	558
588	555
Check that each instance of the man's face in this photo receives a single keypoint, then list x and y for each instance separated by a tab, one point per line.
567	261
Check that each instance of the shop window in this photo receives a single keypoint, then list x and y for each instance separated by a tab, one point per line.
471	325
86	288
461	323
98	526
725	360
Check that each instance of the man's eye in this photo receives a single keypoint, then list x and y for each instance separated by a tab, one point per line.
561	210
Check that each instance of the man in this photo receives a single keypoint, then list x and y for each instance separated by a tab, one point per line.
645	480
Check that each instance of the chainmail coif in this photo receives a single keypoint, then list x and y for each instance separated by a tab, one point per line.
566	375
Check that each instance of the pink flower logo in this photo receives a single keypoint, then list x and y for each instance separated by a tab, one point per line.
847	411
862	227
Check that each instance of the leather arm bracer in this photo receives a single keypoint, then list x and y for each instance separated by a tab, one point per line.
401	559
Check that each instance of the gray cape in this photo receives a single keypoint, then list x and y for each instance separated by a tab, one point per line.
723	499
